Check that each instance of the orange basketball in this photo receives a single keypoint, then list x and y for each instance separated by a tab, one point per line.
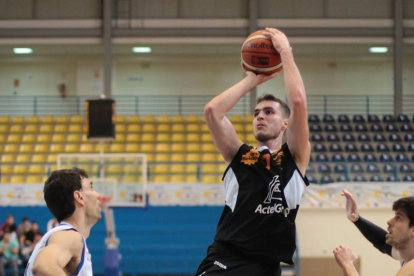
259	56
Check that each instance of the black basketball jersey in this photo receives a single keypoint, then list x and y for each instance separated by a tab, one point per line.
263	192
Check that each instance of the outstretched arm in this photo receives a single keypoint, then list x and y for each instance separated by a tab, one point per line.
345	259
224	135
297	131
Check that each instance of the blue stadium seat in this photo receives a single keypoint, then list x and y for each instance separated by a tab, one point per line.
310	168
406	168
397	147
311	159
315	128
401	157
388	168
362	137
319	147
321	157
332	137
373	168
391	128
410	147
376	128
373	119
392	178
394	137
408	178
324	168
370	158
376	178
316	137
408	137
343	118
402	118
388	119
342	178
384	157
383	147
366	148
378	137
358	118
353	157
346	128
326	179
406	128
339	168
351	147
313	118
360	178
348	137
357	168
338	157
330	128
311	179
328	118
361	128
334	147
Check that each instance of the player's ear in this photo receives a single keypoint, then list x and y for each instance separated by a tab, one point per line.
285	124
78	197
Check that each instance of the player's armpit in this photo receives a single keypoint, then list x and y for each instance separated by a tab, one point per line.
64	248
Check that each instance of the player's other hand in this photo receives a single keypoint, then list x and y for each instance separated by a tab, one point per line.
351	206
258	79
344	256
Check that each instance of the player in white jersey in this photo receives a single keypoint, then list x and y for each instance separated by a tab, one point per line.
70	197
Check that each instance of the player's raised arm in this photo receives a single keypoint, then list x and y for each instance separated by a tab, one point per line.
61	256
215	111
297	131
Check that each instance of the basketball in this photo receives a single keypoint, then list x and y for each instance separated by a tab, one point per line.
259	56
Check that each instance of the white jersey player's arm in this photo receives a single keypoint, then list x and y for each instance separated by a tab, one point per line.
61	256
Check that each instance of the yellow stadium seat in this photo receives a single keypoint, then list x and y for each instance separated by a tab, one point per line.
73	138
23	158
116	148
17	179
163	119
119	138
129	179
177	168
33	120
132	148
208	179
134	119
5	120
248	128
56	148
28	138
147	138
177	157
60	128
120	119
41	148
191	179
75	128
177	128
129	168
4	128
236	119
19	169
43	138
221	168
208	157
5	169
205	129
220	158
38	158
193	147
1	148
161	168
191	168
84	138
248	119
2	138
162	157
45	129
147	148
36	169
132	138
133	128
62	119
192	119
163	138
16	129
14	138
77	119
4	179
19	120
148	128
219	178
162	147
11	148
192	138
238	128
98	147
86	148
163	128
192	128
52	158
48	119
160	179
177	179
177	137
250	139
192	157
208	168
58	138
178	119
177	147
150	157
114	169
32	128
149	119
206	138
33	179
120	128
240	136
85	129
7	158
71	148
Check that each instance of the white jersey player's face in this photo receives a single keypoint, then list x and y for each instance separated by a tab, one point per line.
92	201
268	122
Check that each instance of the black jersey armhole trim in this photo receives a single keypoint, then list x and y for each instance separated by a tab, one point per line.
305	179
234	160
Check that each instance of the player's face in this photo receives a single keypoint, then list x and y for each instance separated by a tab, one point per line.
268	121
92	200
398	230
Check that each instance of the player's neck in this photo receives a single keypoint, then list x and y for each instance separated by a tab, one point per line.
78	222
407	254
272	145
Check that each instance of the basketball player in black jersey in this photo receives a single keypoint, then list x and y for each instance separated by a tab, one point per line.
264	182
398	242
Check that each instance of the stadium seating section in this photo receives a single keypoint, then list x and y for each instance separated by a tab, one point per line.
180	148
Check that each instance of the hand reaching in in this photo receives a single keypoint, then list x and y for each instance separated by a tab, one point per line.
351	206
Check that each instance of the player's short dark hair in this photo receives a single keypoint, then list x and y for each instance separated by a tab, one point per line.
58	191
406	205
270	97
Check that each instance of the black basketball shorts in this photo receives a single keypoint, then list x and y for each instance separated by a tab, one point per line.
221	262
